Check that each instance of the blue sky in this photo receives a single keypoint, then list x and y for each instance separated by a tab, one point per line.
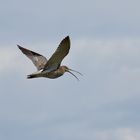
105	47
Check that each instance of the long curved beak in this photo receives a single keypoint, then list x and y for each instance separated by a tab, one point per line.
73	75
76	72
69	70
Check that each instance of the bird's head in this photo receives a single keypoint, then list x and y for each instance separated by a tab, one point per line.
66	69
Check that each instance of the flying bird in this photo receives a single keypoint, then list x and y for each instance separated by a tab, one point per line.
50	68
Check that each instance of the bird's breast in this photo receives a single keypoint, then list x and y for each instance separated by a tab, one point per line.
52	74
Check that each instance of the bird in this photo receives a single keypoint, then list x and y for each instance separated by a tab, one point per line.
50	68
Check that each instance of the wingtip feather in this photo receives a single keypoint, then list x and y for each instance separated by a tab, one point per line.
67	37
19	46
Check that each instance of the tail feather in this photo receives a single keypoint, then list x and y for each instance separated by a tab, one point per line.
34	75
31	76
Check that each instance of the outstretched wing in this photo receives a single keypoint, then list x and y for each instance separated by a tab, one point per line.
56	59
38	60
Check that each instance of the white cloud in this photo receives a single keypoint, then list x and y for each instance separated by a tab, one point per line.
11	61
7	59
118	134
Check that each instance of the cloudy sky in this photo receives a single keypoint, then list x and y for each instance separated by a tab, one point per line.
105	47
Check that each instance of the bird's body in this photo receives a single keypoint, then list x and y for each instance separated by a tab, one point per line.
52	74
50	68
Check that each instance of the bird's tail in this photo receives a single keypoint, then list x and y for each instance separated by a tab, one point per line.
34	75
31	76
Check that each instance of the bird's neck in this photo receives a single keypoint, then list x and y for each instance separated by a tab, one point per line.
61	70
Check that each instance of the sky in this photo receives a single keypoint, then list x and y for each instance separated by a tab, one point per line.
105	48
